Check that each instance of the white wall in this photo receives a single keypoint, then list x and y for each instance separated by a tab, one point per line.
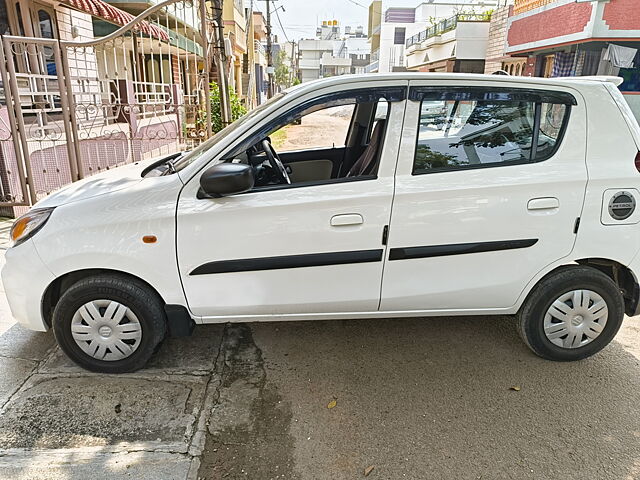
469	42
391	54
310	55
426	11
472	39
308	75
358	46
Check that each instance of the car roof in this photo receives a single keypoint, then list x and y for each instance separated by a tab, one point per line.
498	79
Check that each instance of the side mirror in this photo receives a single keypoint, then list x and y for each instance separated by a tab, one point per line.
227	179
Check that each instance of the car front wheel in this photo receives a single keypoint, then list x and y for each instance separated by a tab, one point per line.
109	323
571	314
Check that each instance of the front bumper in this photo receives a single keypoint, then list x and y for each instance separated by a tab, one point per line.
25	278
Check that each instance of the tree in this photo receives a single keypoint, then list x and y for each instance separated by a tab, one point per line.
281	70
237	108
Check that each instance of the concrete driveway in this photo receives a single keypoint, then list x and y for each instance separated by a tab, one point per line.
439	398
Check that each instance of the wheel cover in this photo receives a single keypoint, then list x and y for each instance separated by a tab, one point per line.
106	330
575	319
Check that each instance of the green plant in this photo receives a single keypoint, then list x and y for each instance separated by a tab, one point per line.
237	108
279	137
282	74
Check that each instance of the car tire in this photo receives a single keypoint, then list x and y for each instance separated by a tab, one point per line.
542	325
109	323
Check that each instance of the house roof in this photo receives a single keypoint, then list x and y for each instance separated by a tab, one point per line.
103	10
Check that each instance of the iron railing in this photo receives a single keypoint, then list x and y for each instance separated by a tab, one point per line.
70	109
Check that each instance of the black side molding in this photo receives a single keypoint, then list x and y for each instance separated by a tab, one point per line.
179	322
408	253
289	261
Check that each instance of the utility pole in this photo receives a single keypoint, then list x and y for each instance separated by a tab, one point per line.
221	64
293	64
204	34
297	70
269	53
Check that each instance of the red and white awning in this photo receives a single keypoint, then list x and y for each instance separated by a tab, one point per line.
103	10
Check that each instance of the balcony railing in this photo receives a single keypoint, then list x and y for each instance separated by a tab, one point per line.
259	47
521	6
446	26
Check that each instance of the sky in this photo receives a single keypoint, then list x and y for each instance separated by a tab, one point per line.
301	17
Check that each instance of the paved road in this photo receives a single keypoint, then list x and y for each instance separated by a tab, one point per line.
414	398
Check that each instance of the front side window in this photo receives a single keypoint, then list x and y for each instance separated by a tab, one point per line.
325	128
477	129
338	137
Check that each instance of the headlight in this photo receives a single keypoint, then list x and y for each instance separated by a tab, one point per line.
28	224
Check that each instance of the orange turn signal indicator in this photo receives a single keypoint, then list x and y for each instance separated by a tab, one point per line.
18	228
149	239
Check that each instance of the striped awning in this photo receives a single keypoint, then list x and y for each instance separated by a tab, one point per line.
103	10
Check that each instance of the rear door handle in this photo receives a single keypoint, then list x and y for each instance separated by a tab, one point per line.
545	203
347	219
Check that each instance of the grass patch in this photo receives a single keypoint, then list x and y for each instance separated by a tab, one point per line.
279	137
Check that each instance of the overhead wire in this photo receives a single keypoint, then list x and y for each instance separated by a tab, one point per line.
280	23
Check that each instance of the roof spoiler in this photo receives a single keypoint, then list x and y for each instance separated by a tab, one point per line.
596	78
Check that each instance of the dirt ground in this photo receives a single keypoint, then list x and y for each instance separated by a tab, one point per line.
320	129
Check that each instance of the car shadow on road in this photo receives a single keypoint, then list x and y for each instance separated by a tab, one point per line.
440	398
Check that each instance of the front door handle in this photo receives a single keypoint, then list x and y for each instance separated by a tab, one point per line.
544	203
347	219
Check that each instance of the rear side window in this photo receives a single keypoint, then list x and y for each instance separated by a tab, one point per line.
475	128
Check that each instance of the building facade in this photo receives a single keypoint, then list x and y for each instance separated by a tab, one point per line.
497	59
256	66
77	100
388	39
439	35
455	44
567	38
236	29
333	52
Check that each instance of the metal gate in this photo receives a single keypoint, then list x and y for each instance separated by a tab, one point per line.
71	109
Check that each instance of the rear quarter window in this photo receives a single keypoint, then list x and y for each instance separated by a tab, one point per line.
475	128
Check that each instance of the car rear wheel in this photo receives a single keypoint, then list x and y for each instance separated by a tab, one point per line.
109	323
571	314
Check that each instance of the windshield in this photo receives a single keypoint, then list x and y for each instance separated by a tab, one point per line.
190	157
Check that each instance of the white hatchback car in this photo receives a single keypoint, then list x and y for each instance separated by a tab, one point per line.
353	197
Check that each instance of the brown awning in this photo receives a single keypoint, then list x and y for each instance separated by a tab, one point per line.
103	10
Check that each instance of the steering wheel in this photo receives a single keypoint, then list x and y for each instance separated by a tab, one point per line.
275	162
